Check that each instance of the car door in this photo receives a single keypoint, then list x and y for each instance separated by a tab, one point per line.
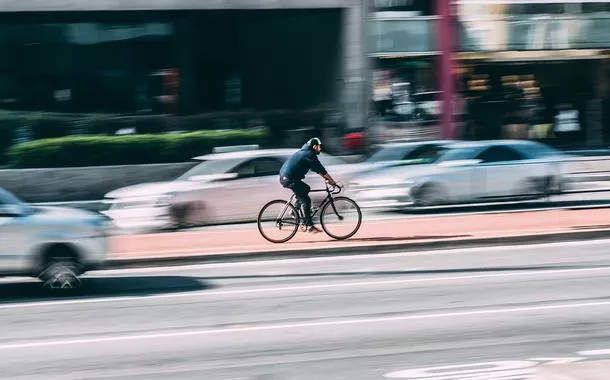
267	170
10	238
256	181
502	170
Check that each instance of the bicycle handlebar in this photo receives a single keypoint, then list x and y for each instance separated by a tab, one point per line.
334	189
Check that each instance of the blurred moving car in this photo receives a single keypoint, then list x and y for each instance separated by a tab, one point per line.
54	244
223	187
466	172
394	153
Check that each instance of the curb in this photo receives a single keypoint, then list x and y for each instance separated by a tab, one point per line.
541	238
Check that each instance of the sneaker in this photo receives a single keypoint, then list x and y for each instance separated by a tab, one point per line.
313	230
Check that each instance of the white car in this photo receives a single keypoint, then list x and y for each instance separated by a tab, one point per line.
468	172
223	187
54	244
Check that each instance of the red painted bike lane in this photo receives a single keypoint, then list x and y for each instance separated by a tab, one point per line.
371	233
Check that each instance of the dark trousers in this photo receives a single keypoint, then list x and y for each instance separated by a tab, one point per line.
301	190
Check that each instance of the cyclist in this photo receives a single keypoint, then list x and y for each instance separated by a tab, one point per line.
293	171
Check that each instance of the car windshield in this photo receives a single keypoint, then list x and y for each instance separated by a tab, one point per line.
7	198
467	153
419	153
539	150
389	153
210	167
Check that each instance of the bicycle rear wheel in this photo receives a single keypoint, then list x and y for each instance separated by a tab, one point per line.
343	220
278	221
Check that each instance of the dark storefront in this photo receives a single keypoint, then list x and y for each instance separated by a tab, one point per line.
169	62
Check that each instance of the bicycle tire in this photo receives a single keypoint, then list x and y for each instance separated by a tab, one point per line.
352	233
283	204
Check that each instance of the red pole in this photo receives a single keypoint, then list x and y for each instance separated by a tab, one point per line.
445	39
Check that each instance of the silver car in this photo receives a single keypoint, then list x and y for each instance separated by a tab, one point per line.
54	244
223	187
467	172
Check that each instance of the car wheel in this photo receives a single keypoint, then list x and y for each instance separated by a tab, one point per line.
61	269
180	216
430	195
183	215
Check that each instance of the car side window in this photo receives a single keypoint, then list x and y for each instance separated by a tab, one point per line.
267	166
245	169
499	154
425	152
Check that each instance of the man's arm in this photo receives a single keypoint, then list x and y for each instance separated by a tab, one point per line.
329	179
321	170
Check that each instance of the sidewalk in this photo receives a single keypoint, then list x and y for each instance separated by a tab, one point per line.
408	233
594	370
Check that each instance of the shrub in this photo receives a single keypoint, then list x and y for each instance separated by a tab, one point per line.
124	150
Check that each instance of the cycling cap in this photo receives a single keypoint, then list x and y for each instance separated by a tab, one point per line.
314	141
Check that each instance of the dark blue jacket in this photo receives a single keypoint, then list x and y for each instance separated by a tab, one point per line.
300	163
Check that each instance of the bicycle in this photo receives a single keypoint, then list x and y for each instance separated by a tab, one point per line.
283	216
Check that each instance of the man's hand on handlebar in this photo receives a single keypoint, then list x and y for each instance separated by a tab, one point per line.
329	180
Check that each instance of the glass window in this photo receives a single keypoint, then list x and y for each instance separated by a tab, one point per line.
246	169
7	198
210	167
268	166
418	7
499	154
389	154
89	66
457	154
428	153
537	150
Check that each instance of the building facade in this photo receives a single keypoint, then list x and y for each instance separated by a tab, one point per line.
499	68
184	57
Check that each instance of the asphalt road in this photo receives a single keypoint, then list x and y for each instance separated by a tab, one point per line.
482	314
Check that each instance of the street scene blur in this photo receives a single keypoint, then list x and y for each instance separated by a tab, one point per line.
333	189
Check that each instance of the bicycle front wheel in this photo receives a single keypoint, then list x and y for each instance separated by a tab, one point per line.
278	221
341	218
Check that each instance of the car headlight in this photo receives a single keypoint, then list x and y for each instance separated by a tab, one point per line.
101	226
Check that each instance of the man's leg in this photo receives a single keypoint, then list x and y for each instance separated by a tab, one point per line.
301	189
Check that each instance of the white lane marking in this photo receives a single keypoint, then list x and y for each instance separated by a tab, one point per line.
565	360
308	288
595	352
474	371
378	256
293	326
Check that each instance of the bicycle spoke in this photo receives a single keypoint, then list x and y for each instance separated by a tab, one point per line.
341	218
278	221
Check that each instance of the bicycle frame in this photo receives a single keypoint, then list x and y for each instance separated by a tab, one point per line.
329	198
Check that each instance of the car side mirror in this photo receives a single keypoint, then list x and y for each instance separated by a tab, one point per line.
10	210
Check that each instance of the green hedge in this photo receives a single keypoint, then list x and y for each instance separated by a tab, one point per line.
77	151
45	125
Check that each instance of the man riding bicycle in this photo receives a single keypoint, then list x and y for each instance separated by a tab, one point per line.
293	172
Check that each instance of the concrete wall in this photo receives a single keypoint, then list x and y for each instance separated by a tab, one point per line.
71	184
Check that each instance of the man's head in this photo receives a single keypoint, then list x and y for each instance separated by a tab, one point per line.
315	144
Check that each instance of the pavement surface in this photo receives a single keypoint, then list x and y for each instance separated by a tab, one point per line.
596	370
377	234
497	313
